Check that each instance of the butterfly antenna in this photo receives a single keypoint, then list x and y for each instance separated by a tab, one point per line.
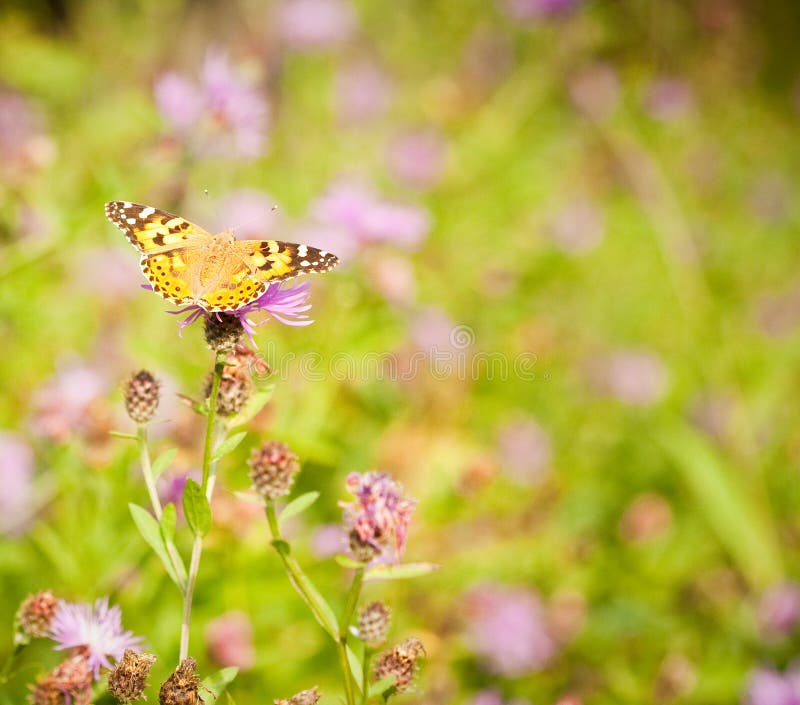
250	221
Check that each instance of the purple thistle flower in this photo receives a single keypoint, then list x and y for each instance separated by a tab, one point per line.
288	306
96	629
379	512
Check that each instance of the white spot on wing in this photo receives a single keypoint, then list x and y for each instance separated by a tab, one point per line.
302	250
305	263
130	221
147	211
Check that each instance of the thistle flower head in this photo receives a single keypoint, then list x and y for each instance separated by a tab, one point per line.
129	678
223	331
400	662
182	686
273	468
69	683
304	697
373	623
235	388
34	616
380	514
98	629
142	394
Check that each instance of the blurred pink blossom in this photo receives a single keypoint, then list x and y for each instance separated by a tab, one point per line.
595	91
668	99
250	213
329	540
770	198
362	92
525	451
635	377
417	158
506	628
16	478
539	9
171	485
578	228
767	686
393	276
494	697
431	329
779	609
25	144
229	639
115	274
312	25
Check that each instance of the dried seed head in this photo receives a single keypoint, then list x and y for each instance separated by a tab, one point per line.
362	551
142	394
235	388
129	678
223	331
401	662
304	697
273	468
35	615
373	623
69	682
182	686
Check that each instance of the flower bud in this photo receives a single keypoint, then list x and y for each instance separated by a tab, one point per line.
235	388
34	616
273	468
304	697
142	394
70	681
400	662
373	624
129	678
223	331
182	686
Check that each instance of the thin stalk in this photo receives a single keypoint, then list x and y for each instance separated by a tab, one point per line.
194	567
5	674
365	674
147	470
344	625
219	366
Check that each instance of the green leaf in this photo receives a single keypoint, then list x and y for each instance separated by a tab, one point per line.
229	699
347	562
216	683
381	686
735	511
355	666
126	436
252	406
399	572
169	519
196	508
297	505
228	445
151	533
163	461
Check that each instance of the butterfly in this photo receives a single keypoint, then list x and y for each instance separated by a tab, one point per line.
189	266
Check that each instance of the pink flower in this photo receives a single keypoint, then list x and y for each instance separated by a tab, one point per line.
25	145
506	629
779	609
595	91
525	451
417	158
380	514
668	99
539	9
97	629
312	25
634	377
578	228
16	477
229	638
328	540
362	93
769	687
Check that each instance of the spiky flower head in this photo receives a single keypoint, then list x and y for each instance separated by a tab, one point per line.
373	623
363	551
142	394
380	514
273	468
182	686
34	617
129	678
223	331
235	388
69	683
97	629
304	697
400	662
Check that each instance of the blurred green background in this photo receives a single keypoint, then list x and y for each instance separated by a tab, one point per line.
588	208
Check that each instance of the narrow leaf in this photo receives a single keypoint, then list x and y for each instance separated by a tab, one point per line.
216	683
163	461
126	436
169	519
151	533
297	505
347	562
228	445
196	508
252	406
403	571
355	666
381	686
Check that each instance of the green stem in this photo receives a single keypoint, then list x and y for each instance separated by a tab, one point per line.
344	625
365	674
147	470
219	366
194	567
5	674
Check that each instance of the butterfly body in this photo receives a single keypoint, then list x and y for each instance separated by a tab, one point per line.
188	265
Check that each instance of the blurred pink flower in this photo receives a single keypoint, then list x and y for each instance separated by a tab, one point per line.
778	313
525	451
393	276
506	629
329	540
98	629
494	697
635	377
539	9
350	215
225	114
779	609
416	158
769	687
250	213
770	199
16	478
668	99
61	405
229	639
595	91
171	485
578	228
362	92
115	274
25	144
431	329
311	25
